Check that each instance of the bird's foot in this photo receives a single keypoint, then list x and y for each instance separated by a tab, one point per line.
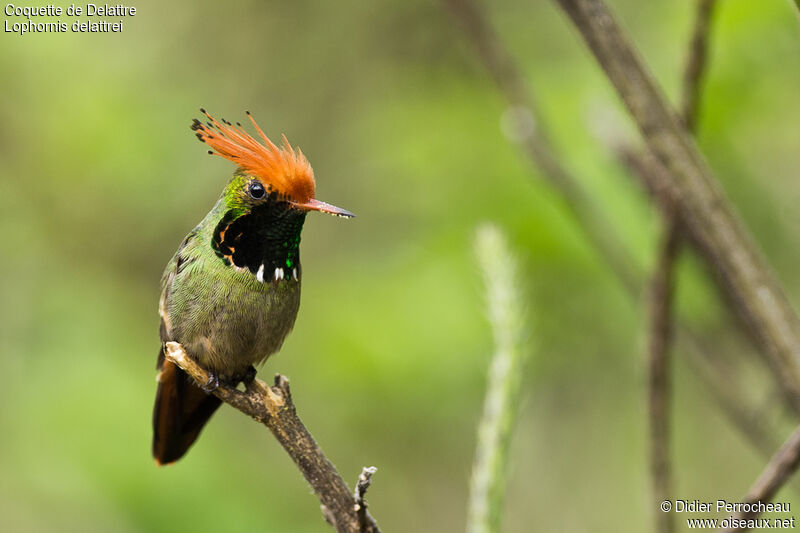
250	375
212	384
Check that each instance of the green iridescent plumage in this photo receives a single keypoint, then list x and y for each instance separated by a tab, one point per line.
223	315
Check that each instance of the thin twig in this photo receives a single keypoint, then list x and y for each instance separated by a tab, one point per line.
660	328
493	55
695	66
720	234
507	316
657	181
360	494
660	325
782	465
273	407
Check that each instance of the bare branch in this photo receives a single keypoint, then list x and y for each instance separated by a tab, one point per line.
478	30
696	63
363	483
273	407
656	180
649	169
660	328
507	316
662	289
534	142
720	234
782	465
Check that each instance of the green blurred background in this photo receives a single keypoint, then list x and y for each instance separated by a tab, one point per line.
101	179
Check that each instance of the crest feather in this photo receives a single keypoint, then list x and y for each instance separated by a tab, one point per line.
281	169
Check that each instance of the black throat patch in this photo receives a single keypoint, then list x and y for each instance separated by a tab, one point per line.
266	241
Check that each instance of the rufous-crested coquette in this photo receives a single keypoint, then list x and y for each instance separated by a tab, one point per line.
231	292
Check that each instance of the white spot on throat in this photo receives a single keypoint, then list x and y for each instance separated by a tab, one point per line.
279	273
260	274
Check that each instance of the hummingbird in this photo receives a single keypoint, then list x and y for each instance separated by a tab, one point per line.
231	292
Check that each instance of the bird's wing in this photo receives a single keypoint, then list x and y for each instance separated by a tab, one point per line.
176	266
181	407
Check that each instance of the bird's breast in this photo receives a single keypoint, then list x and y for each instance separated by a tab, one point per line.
231	320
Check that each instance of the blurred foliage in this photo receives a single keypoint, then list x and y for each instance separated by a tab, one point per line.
101	179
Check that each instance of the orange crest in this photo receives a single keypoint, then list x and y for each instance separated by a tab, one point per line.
281	169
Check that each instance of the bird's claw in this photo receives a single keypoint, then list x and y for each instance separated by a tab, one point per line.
212	384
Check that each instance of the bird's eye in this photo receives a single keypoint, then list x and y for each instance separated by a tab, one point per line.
256	190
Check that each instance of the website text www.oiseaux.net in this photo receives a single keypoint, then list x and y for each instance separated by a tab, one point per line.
739	515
